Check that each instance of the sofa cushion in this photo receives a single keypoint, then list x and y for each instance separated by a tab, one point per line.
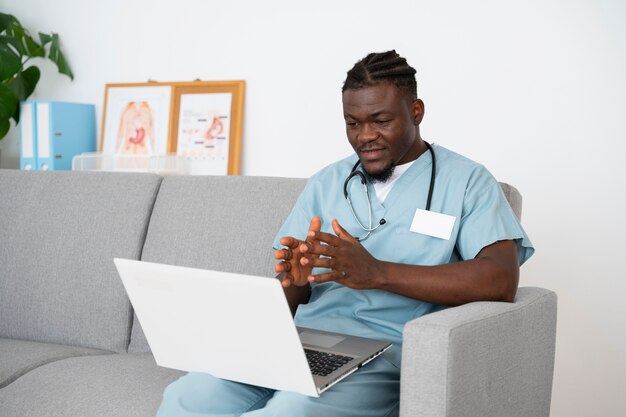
120	385
21	356
188	220
59	232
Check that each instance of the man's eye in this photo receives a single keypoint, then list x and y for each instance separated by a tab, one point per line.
351	124
382	122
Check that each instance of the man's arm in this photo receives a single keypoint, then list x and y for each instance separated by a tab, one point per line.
492	275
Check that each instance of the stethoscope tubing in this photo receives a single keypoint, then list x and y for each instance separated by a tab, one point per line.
357	173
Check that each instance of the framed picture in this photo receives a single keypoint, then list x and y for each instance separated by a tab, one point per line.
136	119
207	125
200	121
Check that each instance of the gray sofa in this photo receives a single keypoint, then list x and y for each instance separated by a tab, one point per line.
71	346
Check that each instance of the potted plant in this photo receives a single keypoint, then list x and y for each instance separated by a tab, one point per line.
18	75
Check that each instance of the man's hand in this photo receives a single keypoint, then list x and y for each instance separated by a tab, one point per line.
293	262
351	264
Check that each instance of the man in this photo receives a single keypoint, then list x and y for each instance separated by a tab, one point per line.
413	243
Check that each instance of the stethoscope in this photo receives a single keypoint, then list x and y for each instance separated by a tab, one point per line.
356	173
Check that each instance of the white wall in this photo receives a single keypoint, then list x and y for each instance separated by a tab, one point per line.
535	90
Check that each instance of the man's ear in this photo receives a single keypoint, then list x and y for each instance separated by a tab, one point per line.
417	109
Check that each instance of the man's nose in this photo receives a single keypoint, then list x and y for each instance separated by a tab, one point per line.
367	133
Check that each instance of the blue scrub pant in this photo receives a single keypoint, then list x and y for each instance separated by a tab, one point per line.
372	391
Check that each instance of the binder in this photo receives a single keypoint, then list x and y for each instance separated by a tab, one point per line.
28	136
53	132
63	131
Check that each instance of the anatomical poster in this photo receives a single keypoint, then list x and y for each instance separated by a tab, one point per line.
137	120
204	132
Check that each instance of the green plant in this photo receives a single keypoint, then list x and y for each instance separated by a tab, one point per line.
17	48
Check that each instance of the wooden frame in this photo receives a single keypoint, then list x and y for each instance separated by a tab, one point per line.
208	113
215	108
136	119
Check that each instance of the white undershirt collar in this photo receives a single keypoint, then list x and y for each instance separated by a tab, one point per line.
383	188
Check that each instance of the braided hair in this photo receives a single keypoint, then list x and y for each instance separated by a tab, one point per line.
382	66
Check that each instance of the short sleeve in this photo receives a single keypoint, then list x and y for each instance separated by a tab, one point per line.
298	221
488	218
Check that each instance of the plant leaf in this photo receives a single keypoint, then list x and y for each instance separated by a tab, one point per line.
8	102
4	128
16	114
5	21
45	39
32	47
13	41
10	63
25	82
26	45
56	56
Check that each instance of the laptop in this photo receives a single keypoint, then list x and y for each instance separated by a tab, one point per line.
237	327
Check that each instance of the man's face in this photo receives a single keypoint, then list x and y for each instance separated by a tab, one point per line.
383	127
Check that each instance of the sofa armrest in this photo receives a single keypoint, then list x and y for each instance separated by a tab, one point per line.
481	359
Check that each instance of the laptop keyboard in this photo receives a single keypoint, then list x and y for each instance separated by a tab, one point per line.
322	363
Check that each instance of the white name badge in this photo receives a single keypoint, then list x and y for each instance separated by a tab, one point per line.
433	224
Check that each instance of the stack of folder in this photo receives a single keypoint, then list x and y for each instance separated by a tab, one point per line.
52	133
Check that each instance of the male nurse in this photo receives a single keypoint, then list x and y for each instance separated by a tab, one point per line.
399	229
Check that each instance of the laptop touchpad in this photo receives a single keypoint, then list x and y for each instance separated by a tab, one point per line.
321	340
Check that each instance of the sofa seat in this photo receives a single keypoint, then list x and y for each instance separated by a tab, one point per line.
121	385
22	356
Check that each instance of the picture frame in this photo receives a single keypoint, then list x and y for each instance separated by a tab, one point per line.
207	125
200	121
136	119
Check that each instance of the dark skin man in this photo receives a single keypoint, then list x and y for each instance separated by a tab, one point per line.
382	126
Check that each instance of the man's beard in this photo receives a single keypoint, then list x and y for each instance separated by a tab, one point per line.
382	176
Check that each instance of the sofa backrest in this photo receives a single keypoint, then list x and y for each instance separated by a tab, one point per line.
514	198
59	232
221	223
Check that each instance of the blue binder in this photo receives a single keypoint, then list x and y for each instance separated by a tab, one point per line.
28	136
59	132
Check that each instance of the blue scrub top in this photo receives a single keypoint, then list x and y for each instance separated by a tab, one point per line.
463	189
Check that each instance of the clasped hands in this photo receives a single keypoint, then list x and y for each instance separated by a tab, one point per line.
349	262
